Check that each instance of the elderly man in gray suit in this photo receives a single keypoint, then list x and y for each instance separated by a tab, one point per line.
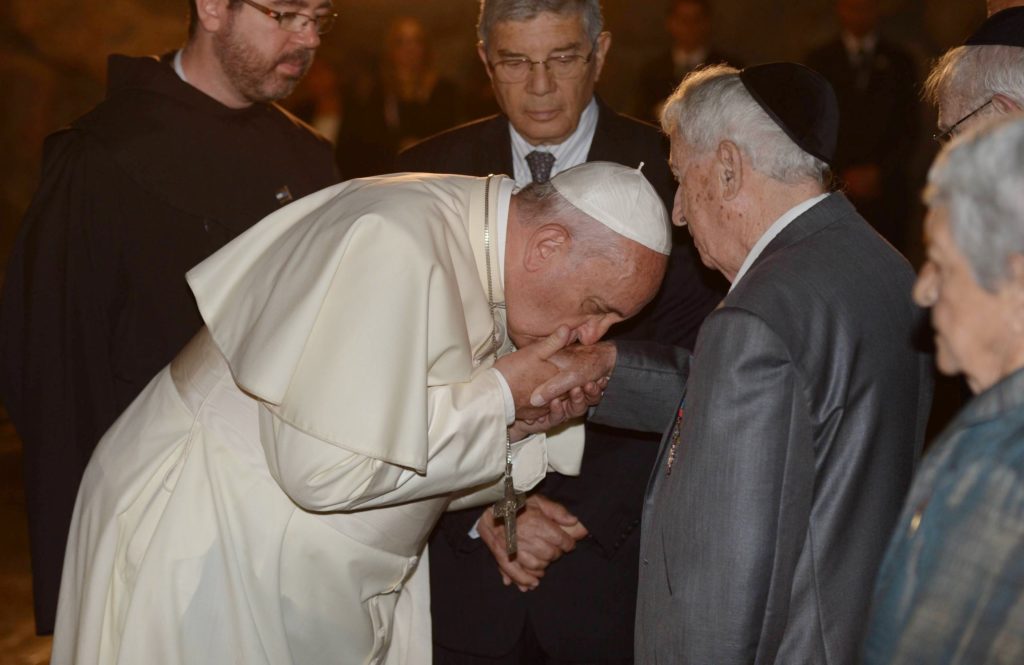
787	459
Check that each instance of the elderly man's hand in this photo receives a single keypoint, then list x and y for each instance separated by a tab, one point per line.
562	409
588	366
526	368
545	530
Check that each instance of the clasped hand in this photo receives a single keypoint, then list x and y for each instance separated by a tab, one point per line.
553	381
546	530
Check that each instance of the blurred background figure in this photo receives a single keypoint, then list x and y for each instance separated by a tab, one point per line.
951	588
688	23
318	100
408	100
876	83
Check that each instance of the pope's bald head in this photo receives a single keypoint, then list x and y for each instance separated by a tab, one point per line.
564	267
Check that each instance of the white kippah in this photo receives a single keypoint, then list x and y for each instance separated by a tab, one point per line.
619	197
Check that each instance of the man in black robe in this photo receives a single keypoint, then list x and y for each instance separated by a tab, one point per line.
185	153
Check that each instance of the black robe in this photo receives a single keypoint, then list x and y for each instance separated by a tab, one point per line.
152	181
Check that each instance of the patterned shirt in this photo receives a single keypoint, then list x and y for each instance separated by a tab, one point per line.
951	587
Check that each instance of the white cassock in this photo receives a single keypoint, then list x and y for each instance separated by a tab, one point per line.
267	498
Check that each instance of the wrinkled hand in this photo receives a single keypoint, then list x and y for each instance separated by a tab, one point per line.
566	407
545	530
578	365
528	367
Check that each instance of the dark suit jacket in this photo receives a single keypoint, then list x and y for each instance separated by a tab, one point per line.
878	124
584	606
803	419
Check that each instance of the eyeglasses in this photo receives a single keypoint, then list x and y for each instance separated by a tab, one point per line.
516	70
297	21
942	137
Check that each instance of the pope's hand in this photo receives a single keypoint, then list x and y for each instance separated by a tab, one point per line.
545	530
579	365
566	407
528	367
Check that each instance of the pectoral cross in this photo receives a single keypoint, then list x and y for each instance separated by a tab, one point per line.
506	509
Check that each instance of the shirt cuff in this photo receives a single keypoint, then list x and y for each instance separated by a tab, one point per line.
506	395
529	466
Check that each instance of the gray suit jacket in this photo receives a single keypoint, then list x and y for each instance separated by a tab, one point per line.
804	414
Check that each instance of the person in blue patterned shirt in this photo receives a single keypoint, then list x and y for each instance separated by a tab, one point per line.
951	587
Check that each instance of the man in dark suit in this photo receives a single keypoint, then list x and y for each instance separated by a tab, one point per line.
688	23
876	83
543	65
779	483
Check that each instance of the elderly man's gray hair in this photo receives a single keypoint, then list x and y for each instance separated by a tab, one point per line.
969	76
712	105
979	179
499	11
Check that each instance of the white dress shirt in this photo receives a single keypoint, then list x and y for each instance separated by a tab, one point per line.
569	153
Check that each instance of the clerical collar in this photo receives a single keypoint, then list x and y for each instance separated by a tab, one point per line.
178	69
775	229
854	46
504	193
569	153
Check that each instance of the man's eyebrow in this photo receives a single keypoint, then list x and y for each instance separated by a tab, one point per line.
507	53
303	4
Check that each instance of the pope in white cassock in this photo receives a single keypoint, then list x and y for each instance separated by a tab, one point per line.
267	498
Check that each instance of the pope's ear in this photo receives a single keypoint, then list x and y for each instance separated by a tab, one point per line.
546	244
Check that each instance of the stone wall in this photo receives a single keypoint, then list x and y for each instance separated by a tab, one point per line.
53	52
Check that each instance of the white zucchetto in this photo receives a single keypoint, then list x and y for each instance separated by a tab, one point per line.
619	197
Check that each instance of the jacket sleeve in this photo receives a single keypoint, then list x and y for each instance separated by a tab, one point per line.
646	385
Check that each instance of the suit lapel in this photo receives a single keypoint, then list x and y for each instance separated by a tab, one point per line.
493	153
604	145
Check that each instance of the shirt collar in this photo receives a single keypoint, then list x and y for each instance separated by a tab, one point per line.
854	46
687	60
504	203
178	69
569	153
1005	395
772	231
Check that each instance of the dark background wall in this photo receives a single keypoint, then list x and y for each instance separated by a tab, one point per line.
52	52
